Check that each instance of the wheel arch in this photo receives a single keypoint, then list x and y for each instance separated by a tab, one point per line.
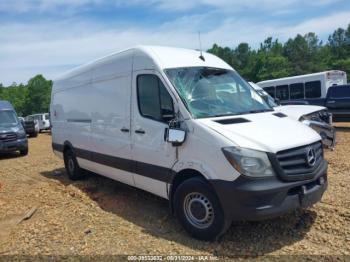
178	179
67	146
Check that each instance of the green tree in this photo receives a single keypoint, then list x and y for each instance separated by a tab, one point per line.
38	95
15	94
297	52
339	43
244	60
270	66
224	53
1	90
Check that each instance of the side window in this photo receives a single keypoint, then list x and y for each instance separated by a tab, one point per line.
296	91
153	98
282	92
270	90
340	92
313	89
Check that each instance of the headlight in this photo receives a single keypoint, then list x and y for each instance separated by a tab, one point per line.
249	162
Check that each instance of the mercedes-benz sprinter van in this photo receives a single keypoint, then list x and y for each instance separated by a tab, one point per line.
188	128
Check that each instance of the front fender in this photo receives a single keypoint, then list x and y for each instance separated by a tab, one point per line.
196	165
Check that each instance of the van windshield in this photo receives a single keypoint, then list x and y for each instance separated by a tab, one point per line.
7	118
213	92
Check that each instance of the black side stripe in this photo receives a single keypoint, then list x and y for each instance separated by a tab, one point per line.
144	169
76	120
57	147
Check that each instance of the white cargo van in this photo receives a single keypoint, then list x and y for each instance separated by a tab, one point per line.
189	129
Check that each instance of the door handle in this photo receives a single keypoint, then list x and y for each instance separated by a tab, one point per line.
140	131
125	130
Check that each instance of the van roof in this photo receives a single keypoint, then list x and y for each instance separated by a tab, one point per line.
164	57
5	105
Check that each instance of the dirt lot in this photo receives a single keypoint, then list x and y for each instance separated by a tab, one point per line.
101	216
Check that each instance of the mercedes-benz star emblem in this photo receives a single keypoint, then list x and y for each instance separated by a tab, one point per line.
311	157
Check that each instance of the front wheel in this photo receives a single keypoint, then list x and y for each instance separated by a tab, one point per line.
199	211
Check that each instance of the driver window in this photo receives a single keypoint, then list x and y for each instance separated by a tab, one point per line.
153	99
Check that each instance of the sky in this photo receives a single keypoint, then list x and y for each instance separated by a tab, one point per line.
50	37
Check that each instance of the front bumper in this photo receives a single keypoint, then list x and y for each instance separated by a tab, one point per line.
259	199
10	146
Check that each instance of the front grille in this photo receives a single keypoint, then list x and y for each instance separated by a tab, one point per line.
298	163
8	137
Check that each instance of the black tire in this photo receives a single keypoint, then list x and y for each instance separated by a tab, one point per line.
24	152
73	169
195	198
33	134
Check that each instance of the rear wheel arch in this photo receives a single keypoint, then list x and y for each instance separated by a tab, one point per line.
67	146
70	161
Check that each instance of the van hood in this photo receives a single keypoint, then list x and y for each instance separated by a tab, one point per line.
263	131
297	111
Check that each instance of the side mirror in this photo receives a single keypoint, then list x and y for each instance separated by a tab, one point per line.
175	136
277	101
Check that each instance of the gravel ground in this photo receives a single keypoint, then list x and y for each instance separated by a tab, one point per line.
98	216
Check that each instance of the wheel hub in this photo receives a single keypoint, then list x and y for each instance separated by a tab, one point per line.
198	210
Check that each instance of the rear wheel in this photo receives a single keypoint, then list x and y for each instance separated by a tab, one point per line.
71	164
199	211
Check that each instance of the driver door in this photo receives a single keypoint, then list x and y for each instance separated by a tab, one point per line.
153	108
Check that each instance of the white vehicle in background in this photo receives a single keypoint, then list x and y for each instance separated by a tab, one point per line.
30	126
42	119
317	117
185	126
310	88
